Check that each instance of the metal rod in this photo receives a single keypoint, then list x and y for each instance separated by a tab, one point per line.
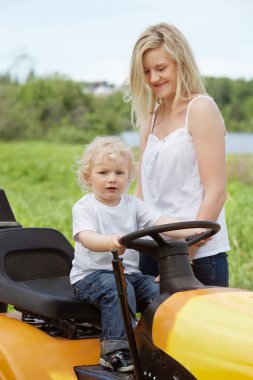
118	270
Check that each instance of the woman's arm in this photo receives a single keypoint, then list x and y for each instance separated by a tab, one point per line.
100	243
208	131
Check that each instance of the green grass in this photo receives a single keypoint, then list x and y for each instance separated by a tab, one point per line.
39	181
240	168
240	220
240	227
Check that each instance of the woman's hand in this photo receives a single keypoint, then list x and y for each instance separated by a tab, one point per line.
196	232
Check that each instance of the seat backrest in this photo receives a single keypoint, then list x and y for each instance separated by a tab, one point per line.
34	253
6	214
7	218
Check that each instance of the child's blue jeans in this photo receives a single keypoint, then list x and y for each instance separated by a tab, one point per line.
99	289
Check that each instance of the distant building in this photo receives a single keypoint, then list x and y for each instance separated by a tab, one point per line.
99	88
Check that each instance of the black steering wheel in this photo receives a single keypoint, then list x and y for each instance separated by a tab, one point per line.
130	240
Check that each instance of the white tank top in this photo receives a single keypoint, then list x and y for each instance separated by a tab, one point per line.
171	182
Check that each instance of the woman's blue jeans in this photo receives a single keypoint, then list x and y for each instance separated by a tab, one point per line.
210	270
99	289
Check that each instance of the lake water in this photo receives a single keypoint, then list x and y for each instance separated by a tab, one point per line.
236	143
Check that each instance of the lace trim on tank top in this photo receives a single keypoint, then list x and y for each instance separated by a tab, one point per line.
153	120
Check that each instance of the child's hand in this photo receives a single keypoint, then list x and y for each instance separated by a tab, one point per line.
114	244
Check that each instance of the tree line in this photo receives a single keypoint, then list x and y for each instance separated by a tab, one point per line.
57	108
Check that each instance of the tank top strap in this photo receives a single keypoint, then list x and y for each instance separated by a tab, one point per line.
189	106
153	119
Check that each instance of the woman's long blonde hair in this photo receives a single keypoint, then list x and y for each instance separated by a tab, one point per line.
189	81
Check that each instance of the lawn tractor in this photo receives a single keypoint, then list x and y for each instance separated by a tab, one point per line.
189	332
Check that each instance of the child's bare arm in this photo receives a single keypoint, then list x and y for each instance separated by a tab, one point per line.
100	243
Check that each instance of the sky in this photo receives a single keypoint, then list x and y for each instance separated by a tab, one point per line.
92	40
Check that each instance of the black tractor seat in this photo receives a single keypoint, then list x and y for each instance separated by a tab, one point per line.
34	275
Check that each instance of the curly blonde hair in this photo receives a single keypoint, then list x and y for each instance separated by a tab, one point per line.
109	146
189	81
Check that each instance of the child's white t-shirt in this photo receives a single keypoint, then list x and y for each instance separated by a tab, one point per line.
91	215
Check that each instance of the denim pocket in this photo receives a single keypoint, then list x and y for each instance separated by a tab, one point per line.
212	270
86	291
204	272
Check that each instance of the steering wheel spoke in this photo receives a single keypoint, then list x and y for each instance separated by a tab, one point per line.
158	238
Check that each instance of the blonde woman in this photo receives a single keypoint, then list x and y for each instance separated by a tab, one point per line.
182	166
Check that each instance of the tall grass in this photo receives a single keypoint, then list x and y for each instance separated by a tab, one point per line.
40	183
240	220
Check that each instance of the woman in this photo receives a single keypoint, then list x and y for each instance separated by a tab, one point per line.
182	166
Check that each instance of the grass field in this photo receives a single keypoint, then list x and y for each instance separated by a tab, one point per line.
40	183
